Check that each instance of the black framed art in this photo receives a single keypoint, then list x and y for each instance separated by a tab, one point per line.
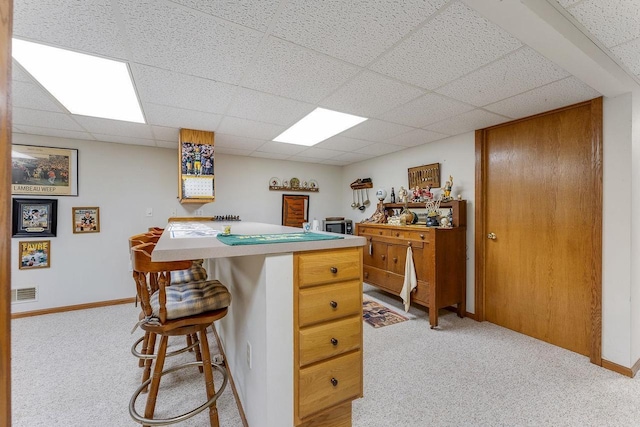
34	217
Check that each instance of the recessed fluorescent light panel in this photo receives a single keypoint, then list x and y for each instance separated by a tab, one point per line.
84	84
317	126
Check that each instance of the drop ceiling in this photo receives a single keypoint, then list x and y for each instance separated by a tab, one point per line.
420	70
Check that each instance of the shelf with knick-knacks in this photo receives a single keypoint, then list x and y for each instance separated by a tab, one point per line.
293	184
458	209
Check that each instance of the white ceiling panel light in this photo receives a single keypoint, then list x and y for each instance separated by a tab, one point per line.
317	126
86	85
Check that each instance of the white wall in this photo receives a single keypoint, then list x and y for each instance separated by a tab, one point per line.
456	156
124	180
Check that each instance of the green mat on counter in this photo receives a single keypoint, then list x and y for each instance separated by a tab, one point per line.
259	239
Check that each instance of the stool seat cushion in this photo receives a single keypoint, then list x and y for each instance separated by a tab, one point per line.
195	273
189	299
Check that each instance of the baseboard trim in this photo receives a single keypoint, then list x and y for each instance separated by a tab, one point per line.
72	308
471	316
233	384
627	372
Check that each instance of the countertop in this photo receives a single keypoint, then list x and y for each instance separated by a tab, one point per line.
176	244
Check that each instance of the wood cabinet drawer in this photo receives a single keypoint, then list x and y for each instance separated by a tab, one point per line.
329	339
388	281
373	231
329	383
316	268
417	235
322	303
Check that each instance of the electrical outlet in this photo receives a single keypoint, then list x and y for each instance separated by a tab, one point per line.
249	355
149	211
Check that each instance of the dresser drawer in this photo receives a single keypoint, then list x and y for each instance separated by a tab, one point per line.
373	231
413	234
329	339
329	383
322	303
337	265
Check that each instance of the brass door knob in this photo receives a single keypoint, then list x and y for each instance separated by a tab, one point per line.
491	236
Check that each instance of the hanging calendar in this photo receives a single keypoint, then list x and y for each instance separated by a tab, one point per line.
196	163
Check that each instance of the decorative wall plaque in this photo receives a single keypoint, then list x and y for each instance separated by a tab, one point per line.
423	176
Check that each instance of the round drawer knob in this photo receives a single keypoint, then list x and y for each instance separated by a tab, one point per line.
422	236
334	382
384	257
395	260
333	304
366	274
334	341
334	270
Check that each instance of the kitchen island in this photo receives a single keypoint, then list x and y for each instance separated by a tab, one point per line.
293	334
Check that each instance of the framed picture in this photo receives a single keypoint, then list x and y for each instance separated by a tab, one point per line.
34	254
34	217
196	164
44	171
295	210
86	220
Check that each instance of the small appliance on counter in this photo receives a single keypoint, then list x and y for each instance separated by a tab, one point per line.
335	224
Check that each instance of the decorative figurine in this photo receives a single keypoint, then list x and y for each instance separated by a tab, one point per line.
402	195
426	193
379	216
447	188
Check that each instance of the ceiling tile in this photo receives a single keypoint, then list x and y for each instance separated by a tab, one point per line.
249	128
466	122
353	157
416	137
629	55
515	73
342	143
281	148
95	125
237	142
370	26
291	71
164	87
555	95
29	95
233	151
379	149
451	45
24	116
612	22
375	130
162	133
264	107
59	133
251	13
335	162
370	94
427	109
567	3
319	153
275	156
121	139
19	74
303	159
180	118
193	43
70	24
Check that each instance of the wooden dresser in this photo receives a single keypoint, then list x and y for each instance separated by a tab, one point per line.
327	336
439	259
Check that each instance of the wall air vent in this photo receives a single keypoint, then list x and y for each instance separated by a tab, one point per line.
24	295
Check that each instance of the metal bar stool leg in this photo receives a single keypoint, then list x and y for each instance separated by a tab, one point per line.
208	377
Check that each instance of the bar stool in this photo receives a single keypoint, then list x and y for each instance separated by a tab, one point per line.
174	310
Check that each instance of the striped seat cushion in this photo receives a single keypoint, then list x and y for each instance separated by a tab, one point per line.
195	273
189	299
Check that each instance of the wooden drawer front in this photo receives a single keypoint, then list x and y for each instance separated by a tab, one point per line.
316	390
326	267
330	339
421	293
384	279
329	302
373	231
419	235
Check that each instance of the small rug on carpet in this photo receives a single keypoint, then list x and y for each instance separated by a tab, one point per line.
377	315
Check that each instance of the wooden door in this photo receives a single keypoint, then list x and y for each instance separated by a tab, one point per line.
295	210
541	183
6	16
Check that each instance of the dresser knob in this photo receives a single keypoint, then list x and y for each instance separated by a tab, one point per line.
384	257
334	382
395	260
334	270
397	234
422	236
366	274
334	341
333	304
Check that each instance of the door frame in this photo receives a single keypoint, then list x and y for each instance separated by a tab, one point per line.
595	352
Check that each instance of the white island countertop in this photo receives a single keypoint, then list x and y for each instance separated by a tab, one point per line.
195	240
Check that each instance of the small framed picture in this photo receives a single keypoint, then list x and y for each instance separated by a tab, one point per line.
86	220
34	254
34	217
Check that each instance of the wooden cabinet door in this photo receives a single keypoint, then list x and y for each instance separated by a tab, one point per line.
375	254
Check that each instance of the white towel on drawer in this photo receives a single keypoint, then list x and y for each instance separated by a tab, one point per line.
410	281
